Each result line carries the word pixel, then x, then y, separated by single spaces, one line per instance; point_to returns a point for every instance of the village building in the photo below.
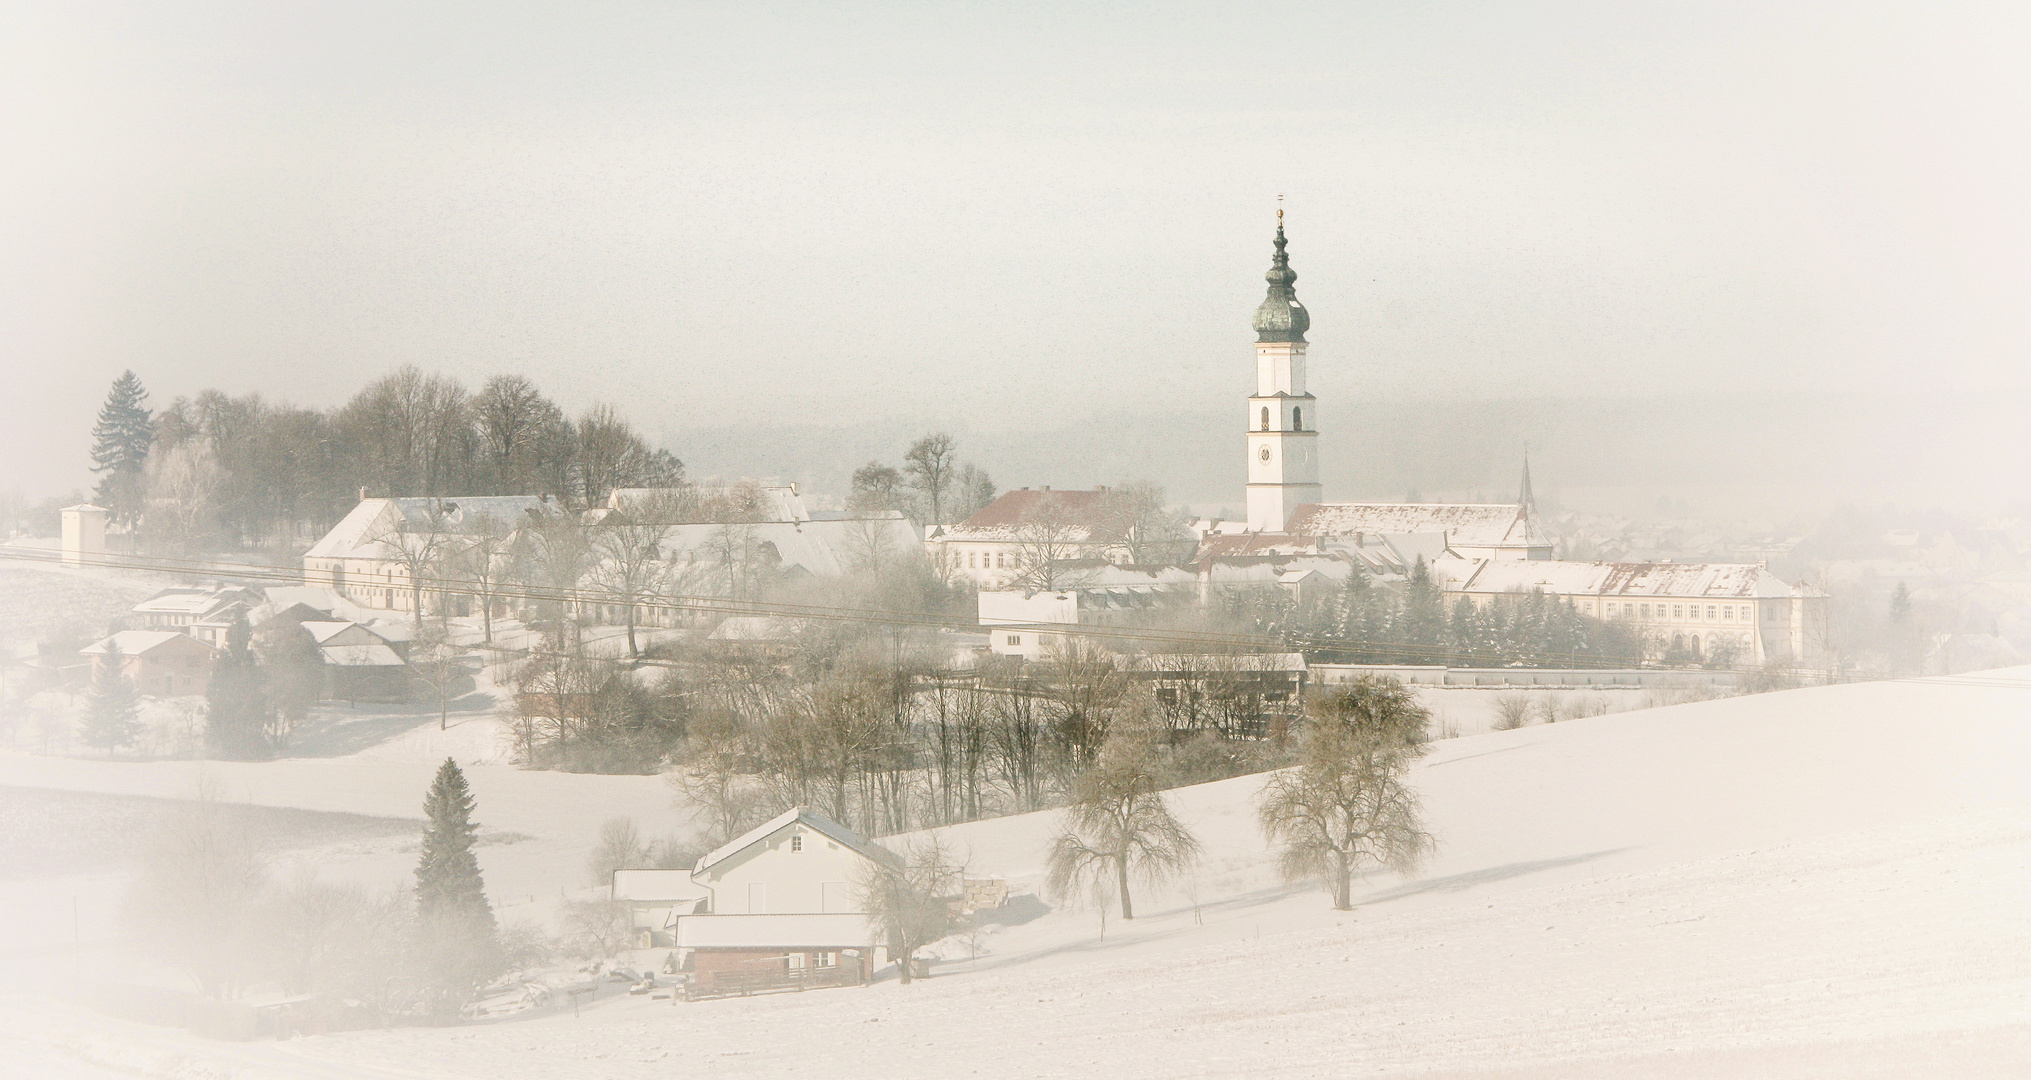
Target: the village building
pixel 84 534
pixel 165 663
pixel 779 908
pixel 654 899
pixel 1031 538
pixel 359 664
pixel 1737 611
pixel 369 557
pixel 1018 621
pixel 205 614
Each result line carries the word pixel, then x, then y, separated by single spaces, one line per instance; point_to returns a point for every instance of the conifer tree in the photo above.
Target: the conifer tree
pixel 237 701
pixel 111 703
pixel 1423 623
pixel 120 442
pixel 458 944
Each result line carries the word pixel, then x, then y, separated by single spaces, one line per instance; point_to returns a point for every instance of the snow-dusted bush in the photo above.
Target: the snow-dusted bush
pixel 1512 710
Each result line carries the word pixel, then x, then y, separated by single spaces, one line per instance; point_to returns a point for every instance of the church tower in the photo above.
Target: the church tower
pixel 1283 435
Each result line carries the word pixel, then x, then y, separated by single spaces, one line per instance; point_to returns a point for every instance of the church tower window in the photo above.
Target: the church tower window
pixel 1297 418
pixel 1265 418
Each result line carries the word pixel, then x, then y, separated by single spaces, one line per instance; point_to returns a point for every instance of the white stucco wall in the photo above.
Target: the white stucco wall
pixel 772 877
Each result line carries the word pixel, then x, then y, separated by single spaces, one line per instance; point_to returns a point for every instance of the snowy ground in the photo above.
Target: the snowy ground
pixel 1824 882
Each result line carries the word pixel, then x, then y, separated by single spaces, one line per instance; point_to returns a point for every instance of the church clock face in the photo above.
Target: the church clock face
pixel 1264 455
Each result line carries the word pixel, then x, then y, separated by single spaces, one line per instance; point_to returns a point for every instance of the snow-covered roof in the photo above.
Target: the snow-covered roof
pixel 1072 517
pixel 835 931
pixel 779 502
pixel 806 816
pixel 1486 525
pixel 374 655
pixel 139 642
pixel 310 596
pixel 363 532
pixel 1702 580
pixel 176 602
pixel 341 633
pixel 825 549
pixel 652 884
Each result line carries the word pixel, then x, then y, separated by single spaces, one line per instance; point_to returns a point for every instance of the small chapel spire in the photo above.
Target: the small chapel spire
pixel 1524 497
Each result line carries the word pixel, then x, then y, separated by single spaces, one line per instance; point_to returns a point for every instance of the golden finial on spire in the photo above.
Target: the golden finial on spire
pixel 1279 211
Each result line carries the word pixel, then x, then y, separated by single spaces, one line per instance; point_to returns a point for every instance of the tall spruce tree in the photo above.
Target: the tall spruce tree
pixel 237 702
pixel 120 442
pixel 111 703
pixel 458 944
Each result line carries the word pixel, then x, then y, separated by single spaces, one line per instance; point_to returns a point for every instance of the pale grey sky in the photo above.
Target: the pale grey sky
pixel 1003 216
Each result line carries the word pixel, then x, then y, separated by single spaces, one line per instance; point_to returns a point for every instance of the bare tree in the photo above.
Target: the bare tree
pixel 551 553
pixel 876 487
pixel 712 777
pixel 929 465
pixel 420 546
pixel 437 664
pixel 183 485
pixel 1045 547
pixel 514 422
pixel 1346 803
pixel 972 490
pixel 908 898
pixel 1118 826
pixel 620 847
pixel 612 455
pixel 484 562
pixel 598 928
pixel 1152 532
pixel 629 569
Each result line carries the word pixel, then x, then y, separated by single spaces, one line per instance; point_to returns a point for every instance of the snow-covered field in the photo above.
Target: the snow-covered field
pixel 1818 883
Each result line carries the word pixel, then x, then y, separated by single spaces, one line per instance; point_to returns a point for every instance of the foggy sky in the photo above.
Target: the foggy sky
pixel 726 216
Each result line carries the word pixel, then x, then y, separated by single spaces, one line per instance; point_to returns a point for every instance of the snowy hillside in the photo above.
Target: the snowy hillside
pixel 1822 882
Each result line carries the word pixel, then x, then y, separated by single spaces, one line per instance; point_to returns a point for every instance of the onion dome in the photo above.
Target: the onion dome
pixel 1281 317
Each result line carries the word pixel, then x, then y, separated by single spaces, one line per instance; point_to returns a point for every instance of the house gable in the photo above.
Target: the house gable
pixel 801 862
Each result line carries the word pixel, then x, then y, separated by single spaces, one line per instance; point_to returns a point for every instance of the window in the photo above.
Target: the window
pixel 1678 611
pixel 1727 611
pixel 828 959
pixel 1265 418
pixel 1015 639
pixel 1297 418
pixel 795 961
pixel 970 557
pixel 1646 611
pixel 796 843
pixel 1710 611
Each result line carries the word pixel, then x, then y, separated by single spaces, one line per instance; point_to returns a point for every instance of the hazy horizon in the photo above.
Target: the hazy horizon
pixel 888 218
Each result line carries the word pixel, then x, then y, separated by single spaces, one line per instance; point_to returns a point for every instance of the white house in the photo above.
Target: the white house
pixel 1015 619
pixel 799 862
pixel 165 663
